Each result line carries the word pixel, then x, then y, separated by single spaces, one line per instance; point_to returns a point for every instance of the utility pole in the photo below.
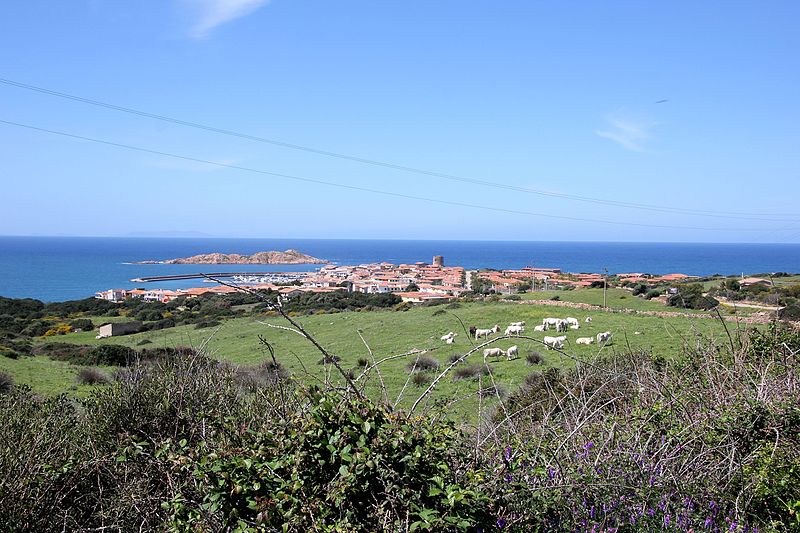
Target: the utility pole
pixel 605 285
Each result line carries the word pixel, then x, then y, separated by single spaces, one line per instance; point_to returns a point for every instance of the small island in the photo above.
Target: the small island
pixel 289 257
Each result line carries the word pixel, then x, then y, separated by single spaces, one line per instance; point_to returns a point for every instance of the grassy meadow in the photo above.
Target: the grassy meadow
pixel 395 332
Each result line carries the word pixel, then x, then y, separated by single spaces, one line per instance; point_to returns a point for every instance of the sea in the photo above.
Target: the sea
pixel 68 268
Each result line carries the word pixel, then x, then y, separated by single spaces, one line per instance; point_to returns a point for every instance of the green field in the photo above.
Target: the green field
pixel 615 299
pixel 394 332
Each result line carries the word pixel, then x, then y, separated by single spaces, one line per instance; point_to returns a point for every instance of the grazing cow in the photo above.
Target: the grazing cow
pixel 584 340
pixel 539 328
pixel 493 352
pixel 514 330
pixel 555 343
pixel 518 323
pixel 448 336
pixel 561 326
pixel 575 326
pixel 472 330
pixel 603 338
pixel 573 322
pixel 588 320
pixel 512 352
pixel 486 332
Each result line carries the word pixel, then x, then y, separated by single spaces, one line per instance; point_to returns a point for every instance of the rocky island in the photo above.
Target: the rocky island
pixel 289 257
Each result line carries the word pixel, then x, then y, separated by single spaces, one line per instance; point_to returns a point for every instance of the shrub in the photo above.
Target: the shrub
pixel 329 359
pixel 421 378
pixel 534 358
pixel 266 374
pixel 514 297
pixel 362 362
pixel 83 324
pixel 438 312
pixel 92 376
pixel 423 363
pixel 493 391
pixel 790 312
pixel 473 371
pixel 453 305
pixel 6 383
pixel 556 298
pixel 206 323
pixel 652 293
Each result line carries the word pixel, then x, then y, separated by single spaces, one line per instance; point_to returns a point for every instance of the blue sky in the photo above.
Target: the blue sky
pixel 547 96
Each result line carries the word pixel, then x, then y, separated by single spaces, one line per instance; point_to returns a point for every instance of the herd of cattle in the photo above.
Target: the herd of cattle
pixel 560 325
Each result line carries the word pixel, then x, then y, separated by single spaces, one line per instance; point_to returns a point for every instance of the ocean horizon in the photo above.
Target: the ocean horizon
pixel 66 268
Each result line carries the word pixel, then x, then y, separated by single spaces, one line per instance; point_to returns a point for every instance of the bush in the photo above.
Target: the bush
pixel 329 359
pixel 534 358
pixel 493 391
pixel 362 362
pixel 652 293
pixel 421 378
pixel 514 297
pixel 423 363
pixel 453 305
pixel 556 298
pixel 206 323
pixel 473 371
pixel 83 324
pixel 6 383
pixel 790 312
pixel 92 376
pixel 438 312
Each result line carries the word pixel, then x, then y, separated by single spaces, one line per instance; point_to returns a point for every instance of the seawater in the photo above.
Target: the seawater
pixel 66 268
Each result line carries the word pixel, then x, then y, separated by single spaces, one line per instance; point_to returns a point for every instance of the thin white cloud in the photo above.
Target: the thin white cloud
pixel 208 14
pixel 628 133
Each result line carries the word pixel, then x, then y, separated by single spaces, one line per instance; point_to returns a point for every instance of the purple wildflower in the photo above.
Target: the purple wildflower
pixel 666 520
pixel 501 523
pixel 508 453
pixel 707 523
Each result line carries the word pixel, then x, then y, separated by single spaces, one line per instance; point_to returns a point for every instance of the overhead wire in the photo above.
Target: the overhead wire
pixel 318 181
pixel 405 168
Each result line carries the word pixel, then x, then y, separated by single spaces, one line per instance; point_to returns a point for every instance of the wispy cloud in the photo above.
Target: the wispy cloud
pixel 208 14
pixel 628 133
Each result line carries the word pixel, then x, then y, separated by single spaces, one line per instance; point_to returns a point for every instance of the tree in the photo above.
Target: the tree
pixel 412 287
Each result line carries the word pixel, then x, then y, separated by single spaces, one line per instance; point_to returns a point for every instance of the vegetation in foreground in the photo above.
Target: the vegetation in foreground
pixel 622 442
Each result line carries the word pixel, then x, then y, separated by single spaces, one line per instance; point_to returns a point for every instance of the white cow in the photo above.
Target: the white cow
pixel 518 323
pixel 486 332
pixel 515 330
pixel 603 338
pixel 555 343
pixel 588 320
pixel 492 352
pixel 561 326
pixel 573 322
pixel 584 340
pixel 512 352
pixel 539 328
pixel 448 336
pixel 575 326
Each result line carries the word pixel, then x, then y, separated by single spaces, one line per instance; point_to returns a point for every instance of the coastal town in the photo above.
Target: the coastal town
pixel 419 282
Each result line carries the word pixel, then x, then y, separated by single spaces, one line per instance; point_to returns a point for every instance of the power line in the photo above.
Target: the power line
pixel 359 188
pixel 404 168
